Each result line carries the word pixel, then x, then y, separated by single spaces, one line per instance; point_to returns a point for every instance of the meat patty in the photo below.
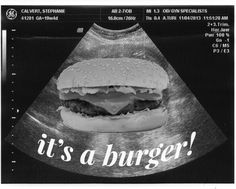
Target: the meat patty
pixel 89 109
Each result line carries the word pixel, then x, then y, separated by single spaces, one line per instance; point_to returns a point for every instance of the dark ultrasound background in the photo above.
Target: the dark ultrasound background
pixel 210 78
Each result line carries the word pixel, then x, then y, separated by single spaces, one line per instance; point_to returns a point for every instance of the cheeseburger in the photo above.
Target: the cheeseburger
pixel 113 95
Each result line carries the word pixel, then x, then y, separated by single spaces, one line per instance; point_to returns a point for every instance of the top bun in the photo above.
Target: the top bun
pixel 101 72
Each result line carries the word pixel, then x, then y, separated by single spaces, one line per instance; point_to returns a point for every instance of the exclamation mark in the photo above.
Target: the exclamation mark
pixel 193 135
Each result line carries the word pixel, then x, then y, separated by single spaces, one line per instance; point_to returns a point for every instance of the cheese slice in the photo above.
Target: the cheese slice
pixel 112 107
pixel 112 102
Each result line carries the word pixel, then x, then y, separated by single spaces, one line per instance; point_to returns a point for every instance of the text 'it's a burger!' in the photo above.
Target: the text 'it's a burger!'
pixel 113 95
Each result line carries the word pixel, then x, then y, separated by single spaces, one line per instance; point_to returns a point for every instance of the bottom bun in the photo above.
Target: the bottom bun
pixel 139 121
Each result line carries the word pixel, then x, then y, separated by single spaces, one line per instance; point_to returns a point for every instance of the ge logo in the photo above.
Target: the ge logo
pixel 11 14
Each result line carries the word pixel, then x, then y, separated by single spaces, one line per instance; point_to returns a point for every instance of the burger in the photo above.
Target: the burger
pixel 113 95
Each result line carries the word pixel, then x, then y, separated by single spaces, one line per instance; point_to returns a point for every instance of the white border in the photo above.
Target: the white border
pixel 117 2
pixel 131 3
